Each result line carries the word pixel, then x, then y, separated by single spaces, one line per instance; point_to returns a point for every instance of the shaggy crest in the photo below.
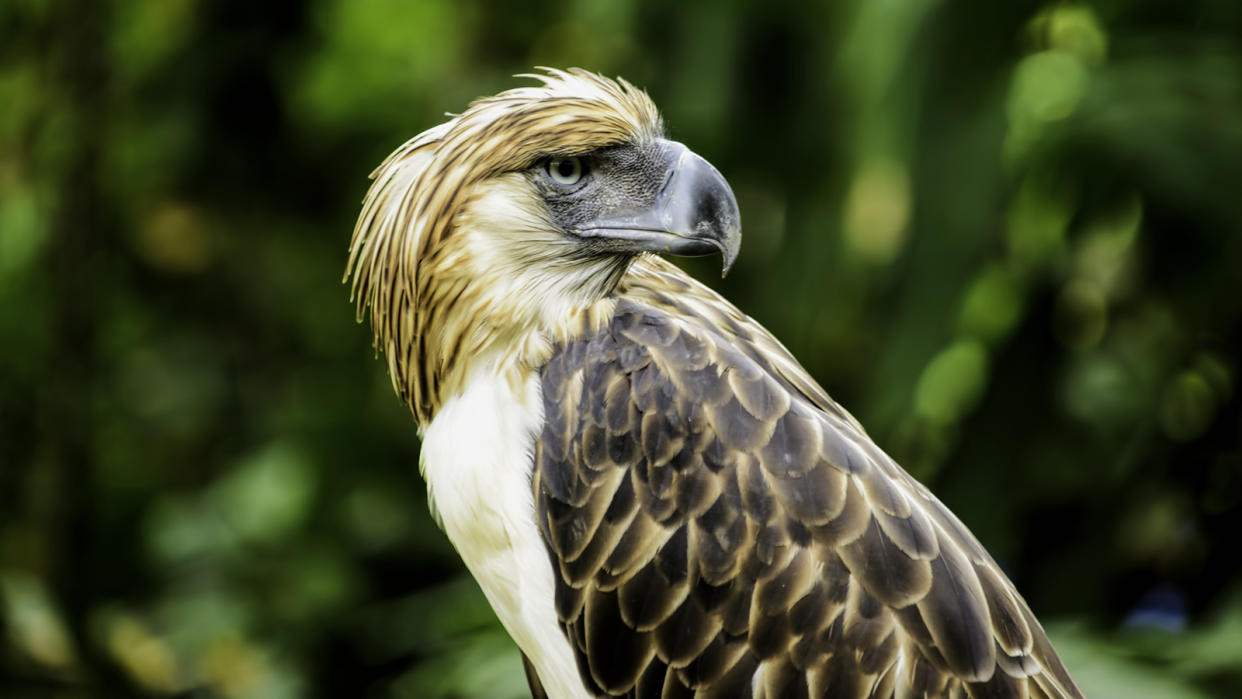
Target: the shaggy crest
pixel 406 228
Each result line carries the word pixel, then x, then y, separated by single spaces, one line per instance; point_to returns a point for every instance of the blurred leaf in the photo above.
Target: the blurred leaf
pixel 1106 670
pixel 35 627
pixel 952 382
pixel 267 497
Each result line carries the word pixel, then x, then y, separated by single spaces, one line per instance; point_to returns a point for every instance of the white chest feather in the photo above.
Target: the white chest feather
pixel 477 459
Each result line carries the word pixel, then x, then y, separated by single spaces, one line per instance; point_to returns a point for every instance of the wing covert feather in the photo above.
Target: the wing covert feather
pixel 717 528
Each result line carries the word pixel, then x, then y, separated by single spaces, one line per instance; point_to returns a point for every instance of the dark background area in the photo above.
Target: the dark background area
pixel 1007 236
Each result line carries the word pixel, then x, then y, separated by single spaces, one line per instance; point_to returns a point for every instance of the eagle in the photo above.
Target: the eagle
pixel 656 499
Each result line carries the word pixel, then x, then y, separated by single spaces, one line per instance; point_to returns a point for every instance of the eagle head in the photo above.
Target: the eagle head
pixel 518 214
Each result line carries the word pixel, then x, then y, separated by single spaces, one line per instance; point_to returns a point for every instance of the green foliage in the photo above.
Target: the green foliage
pixel 1005 235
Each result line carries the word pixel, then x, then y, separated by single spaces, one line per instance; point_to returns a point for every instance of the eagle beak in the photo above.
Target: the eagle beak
pixel 694 214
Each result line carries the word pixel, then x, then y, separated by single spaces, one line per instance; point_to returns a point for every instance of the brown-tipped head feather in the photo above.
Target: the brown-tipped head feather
pixel 405 232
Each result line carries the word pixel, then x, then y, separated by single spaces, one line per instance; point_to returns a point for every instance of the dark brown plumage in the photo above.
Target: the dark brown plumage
pixel 705 516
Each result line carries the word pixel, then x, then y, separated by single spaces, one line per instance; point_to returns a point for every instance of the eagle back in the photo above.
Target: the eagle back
pixel 718 527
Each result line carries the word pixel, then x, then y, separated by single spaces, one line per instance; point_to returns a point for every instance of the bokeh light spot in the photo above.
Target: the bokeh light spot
pixel 21 235
pixel 32 622
pixel 952 382
pixel 1072 28
pixel 992 304
pixel 1037 221
pixel 145 656
pixel 877 210
pixel 268 496
pixel 1081 316
pixel 1187 406
pixel 174 238
pixel 1047 86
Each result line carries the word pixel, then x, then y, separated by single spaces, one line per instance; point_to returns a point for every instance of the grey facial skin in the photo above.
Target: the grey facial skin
pixel 655 197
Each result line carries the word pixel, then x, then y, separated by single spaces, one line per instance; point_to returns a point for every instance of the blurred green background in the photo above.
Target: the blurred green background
pixel 1006 235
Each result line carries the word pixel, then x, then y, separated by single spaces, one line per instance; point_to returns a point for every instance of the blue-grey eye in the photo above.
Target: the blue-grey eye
pixel 566 171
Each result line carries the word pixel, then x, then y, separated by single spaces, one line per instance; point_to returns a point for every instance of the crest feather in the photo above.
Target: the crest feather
pixel 409 211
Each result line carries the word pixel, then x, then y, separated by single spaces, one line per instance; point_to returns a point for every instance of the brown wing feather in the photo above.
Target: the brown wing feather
pixel 719 527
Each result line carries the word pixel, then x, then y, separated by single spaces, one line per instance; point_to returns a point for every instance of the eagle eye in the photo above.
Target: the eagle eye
pixel 566 172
